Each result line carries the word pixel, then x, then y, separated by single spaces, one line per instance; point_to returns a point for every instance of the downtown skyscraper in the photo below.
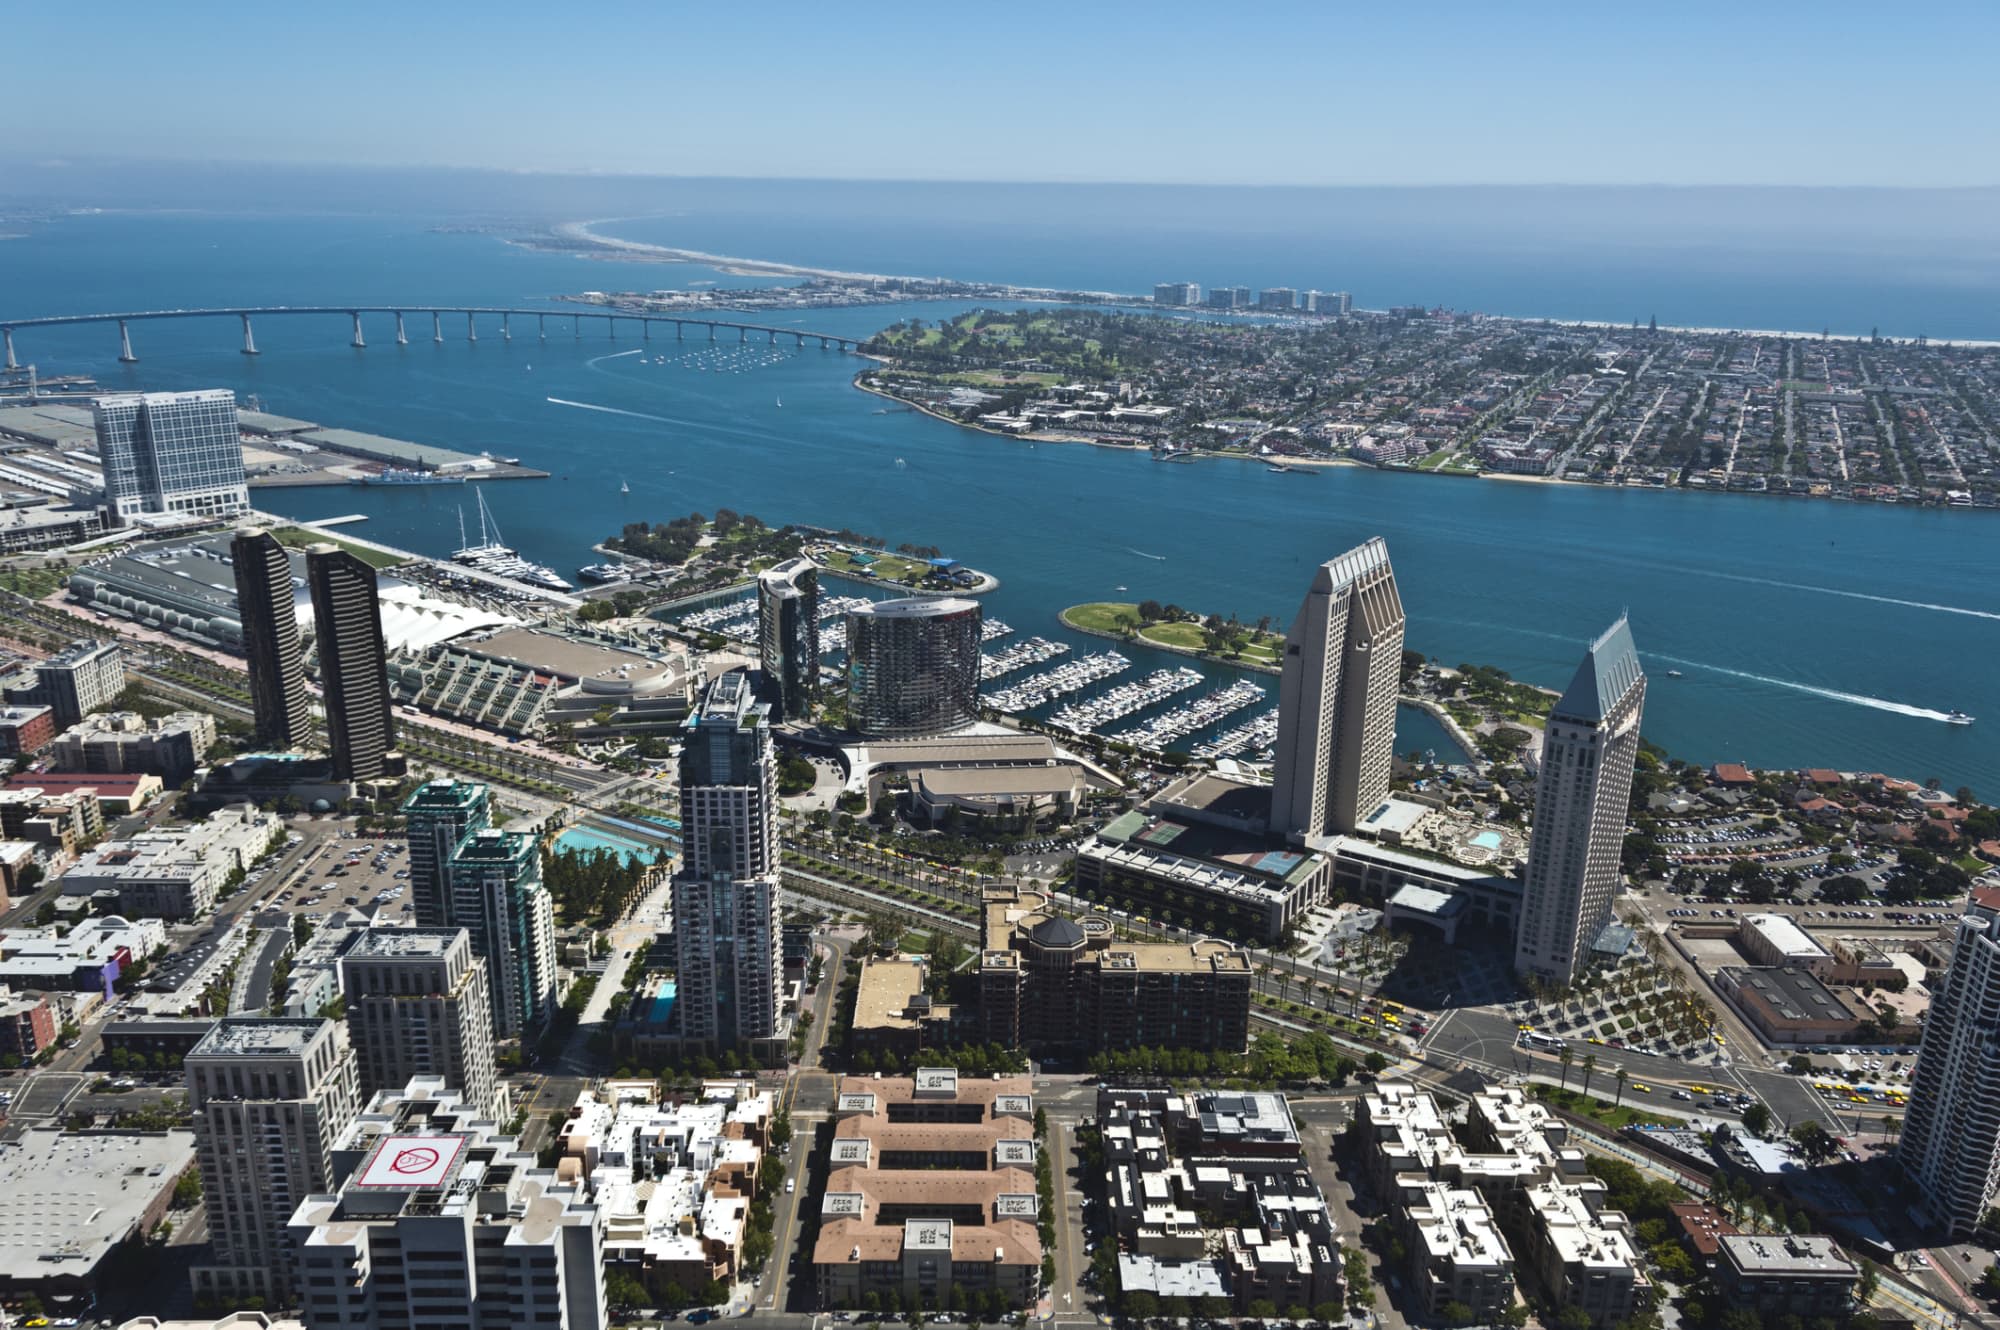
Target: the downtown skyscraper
pixel 1581 799
pixel 269 1097
pixel 171 453
pixel 788 635
pixel 268 610
pixel 1337 696
pixel 353 662
pixel 1951 1138
pixel 726 933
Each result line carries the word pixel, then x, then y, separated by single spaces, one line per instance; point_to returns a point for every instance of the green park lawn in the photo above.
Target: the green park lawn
pixel 1115 616
pixel 1103 616
pixel 298 538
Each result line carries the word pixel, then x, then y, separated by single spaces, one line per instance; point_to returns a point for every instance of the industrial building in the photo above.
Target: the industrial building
pixel 68 1199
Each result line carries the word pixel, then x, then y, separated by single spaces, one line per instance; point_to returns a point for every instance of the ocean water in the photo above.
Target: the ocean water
pixel 1806 633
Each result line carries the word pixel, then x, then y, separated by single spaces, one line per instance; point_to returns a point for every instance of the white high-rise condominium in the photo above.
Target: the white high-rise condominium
pixel 1337 697
pixel 438 1220
pixel 726 932
pixel 1581 797
pixel 1951 1139
pixel 171 453
pixel 269 1096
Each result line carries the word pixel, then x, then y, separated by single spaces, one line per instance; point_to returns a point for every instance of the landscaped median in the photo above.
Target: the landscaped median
pixel 1172 628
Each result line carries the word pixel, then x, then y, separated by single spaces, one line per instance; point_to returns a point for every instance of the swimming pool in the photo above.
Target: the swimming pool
pixel 1489 840
pixel 596 838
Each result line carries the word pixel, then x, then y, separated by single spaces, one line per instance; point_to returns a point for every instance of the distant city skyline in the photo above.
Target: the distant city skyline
pixel 1279 95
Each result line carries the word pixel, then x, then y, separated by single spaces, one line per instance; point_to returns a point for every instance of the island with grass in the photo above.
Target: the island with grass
pixel 1171 628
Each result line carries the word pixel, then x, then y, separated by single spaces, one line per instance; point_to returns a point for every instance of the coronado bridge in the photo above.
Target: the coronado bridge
pixel 497 320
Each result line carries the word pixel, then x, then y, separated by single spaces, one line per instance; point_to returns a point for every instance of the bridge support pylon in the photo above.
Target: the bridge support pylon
pixel 359 340
pixel 125 356
pixel 471 332
pixel 711 332
pixel 506 327
pixel 249 342
pixel 8 333
pixel 680 331
pixel 437 326
pixel 645 330
pixel 402 338
pixel 801 337
pixel 611 327
pixel 742 334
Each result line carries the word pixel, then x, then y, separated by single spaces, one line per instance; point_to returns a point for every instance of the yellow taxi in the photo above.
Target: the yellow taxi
pixel 1642 1087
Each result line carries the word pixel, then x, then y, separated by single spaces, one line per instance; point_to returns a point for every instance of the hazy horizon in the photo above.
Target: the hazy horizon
pixel 1288 93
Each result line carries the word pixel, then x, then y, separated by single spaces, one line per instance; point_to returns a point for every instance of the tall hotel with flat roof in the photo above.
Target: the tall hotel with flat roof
pixel 1581 798
pixel 1951 1138
pixel 171 453
pixel 1337 698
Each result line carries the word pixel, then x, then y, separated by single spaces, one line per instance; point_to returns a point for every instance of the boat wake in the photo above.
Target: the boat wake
pixel 615 355
pixel 612 410
pixel 1832 694
pixel 1859 595
pixel 1156 558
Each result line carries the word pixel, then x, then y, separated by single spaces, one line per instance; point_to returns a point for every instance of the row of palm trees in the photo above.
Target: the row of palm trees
pixel 1589 1069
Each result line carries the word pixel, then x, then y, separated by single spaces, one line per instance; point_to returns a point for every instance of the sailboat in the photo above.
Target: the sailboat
pixel 489 546
pixel 623 488
pixel 781 403
pixel 490 555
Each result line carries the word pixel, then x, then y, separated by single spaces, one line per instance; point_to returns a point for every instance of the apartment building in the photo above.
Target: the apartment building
pixel 930 1189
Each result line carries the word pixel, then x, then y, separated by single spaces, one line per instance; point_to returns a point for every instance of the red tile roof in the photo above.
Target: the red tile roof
pixel 1732 773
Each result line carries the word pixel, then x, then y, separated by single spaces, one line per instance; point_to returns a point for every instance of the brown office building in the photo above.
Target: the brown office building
pixel 1062 985
pixel 930 1190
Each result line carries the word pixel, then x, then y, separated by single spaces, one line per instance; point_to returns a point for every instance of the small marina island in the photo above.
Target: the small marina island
pixel 1172 628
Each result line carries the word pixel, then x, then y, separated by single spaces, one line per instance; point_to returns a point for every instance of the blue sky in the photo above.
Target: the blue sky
pixel 1272 93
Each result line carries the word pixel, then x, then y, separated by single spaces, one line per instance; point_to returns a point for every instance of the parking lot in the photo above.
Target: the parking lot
pixel 366 872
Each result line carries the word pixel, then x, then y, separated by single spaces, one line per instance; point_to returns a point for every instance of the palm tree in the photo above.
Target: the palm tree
pixel 1567 1056
pixel 1621 1088
pixel 1589 1066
